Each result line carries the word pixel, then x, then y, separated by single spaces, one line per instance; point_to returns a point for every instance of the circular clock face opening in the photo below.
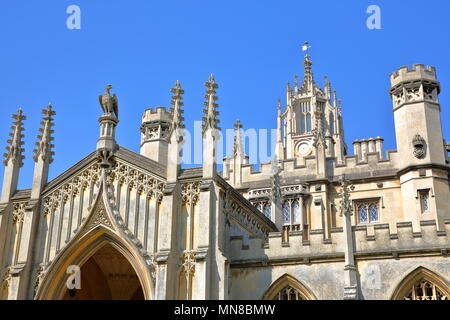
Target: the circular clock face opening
pixel 304 149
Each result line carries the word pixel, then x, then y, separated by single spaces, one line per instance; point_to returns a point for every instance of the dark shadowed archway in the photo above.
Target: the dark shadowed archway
pixel 107 275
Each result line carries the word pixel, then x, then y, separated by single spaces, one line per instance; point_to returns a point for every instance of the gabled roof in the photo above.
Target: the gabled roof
pixel 123 154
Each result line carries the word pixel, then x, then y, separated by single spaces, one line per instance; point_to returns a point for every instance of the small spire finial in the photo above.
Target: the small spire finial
pixel 14 148
pixel 45 145
pixel 210 120
pixel 238 124
pixel 238 148
pixel 177 112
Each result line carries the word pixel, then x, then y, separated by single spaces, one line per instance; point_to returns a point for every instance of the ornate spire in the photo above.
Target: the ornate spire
pixel 176 111
pixel 44 145
pixel 279 144
pixel 210 120
pixel 238 148
pixel 318 132
pixel 14 148
pixel 308 77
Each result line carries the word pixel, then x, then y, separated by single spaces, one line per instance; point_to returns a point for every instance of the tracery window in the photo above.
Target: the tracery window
pixel 288 293
pixel 264 207
pixel 292 211
pixel 308 123
pixel 267 211
pixel 286 212
pixel 425 290
pixel 424 196
pixel 368 211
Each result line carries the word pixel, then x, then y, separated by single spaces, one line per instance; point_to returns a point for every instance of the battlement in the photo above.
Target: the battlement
pixel 156 114
pixel 364 146
pixel 369 240
pixel 418 71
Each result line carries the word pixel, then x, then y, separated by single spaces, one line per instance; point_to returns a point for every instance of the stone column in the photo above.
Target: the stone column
pixel 350 273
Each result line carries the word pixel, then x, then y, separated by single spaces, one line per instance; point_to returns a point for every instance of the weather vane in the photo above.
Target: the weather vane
pixel 306 46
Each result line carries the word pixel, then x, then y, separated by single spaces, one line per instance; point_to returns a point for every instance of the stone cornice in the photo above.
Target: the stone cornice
pixel 424 166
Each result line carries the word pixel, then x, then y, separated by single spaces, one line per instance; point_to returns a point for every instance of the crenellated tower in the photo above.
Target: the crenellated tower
pixel 422 161
pixel 154 133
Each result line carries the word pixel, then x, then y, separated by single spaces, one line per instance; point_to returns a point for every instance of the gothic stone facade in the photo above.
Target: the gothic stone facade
pixel 315 223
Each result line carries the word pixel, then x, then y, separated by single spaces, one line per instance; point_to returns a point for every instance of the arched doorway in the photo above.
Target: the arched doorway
pixel 107 275
pixel 110 268
pixel 422 284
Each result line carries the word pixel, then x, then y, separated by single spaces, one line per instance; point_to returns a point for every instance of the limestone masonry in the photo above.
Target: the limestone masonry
pixel 315 223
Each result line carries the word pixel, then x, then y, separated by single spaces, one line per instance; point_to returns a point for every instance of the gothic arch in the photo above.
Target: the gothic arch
pixel 406 285
pixel 53 285
pixel 288 280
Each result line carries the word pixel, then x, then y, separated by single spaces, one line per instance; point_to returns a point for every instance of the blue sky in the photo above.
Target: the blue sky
pixel 252 47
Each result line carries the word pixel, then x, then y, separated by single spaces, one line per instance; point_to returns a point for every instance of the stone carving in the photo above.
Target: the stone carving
pixel 44 145
pixel 39 276
pixel 132 177
pixel 19 212
pixel 420 148
pixel 109 104
pixel 188 263
pixel 318 132
pixel 7 277
pixel 100 217
pixel 73 186
pixel 190 193
pixel 345 202
pixel 14 149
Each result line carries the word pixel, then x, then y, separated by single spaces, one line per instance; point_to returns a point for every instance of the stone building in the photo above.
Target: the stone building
pixel 315 223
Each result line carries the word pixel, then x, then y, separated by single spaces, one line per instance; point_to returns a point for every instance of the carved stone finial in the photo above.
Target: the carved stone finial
pixel 14 148
pixel 109 104
pixel 318 132
pixel 210 120
pixel 177 112
pixel 346 204
pixel 275 179
pixel 238 148
pixel 45 145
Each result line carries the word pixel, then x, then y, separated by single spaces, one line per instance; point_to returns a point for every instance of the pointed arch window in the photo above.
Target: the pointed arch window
pixel 302 125
pixel 288 293
pixel 368 211
pixel 286 212
pixel 296 212
pixel 422 284
pixel 288 287
pixel 267 211
pixel 308 122
pixel 425 290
